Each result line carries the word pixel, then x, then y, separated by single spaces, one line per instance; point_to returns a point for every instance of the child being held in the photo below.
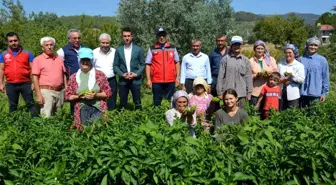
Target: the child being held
pixel 271 91
pixel 202 100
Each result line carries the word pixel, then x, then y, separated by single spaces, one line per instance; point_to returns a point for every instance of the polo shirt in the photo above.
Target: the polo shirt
pixel 104 62
pixel 195 66
pixel 50 70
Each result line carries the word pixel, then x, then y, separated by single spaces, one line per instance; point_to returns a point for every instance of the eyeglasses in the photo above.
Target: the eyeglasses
pixel 76 38
pixel 10 41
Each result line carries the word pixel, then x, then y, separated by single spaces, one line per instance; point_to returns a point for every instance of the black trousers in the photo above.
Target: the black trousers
pixel 13 91
pixel 285 103
pixel 135 90
pixel 112 101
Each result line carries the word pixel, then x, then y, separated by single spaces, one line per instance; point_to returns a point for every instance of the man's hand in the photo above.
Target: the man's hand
pixel 209 89
pixel 322 99
pixel 184 87
pixel 149 84
pixel 32 87
pixel 2 87
pixel 40 99
pixel 177 82
pixel 132 75
pixel 125 75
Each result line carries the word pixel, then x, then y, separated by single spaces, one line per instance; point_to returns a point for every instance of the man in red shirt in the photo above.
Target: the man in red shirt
pixel 49 78
pixel 15 65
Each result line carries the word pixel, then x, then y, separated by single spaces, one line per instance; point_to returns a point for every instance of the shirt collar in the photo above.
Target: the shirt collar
pixel 238 56
pixel 130 47
pixel 217 51
pixel 47 56
pixel 310 56
pixel 200 54
pixel 105 53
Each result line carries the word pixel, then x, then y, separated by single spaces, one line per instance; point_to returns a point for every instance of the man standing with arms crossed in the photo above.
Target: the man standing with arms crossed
pixel 103 61
pixel 15 65
pixel 162 68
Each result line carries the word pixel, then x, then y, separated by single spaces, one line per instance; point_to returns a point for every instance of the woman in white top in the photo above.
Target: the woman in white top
pixel 292 76
pixel 179 104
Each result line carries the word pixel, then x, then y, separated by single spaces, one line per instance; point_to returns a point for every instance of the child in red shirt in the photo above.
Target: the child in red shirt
pixel 271 91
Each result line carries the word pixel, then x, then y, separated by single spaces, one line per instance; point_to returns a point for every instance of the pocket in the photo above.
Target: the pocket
pixel 242 70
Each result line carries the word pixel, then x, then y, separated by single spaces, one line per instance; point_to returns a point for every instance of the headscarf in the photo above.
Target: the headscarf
pixel 312 40
pixel 294 48
pixel 87 53
pixel 267 54
pixel 177 95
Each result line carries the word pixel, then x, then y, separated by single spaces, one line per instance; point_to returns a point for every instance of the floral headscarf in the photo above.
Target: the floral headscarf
pixel 294 48
pixel 267 54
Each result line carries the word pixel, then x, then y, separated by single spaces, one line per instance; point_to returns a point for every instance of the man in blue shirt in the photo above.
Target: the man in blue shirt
pixel 195 64
pixel 215 57
pixel 316 85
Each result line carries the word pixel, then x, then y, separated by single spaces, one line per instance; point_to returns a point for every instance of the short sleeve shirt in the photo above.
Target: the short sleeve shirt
pixel 272 95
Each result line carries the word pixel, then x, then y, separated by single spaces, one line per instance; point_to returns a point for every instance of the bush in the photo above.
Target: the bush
pixel 293 147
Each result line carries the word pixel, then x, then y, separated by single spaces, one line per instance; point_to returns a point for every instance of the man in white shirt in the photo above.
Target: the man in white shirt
pixel 195 64
pixel 129 64
pixel 103 61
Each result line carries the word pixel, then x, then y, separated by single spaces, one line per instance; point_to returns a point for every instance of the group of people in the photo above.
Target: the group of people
pixel 87 78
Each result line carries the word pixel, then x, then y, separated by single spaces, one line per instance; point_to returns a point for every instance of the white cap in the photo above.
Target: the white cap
pixel 237 39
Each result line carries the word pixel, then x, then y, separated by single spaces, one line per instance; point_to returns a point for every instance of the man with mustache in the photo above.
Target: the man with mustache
pixel 103 58
pixel 162 68
pixel 49 78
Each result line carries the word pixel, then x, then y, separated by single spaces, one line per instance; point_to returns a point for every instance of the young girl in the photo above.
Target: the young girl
pixel 202 100
pixel 271 92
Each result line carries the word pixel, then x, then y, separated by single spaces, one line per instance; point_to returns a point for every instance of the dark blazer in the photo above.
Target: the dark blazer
pixel 137 64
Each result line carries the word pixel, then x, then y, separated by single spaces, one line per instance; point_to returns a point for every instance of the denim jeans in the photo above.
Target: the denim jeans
pixel 161 90
pixel 111 102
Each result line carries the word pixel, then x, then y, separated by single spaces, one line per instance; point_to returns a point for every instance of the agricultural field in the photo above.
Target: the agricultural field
pixel 133 147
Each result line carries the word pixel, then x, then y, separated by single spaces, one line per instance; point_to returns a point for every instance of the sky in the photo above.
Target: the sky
pixel 109 7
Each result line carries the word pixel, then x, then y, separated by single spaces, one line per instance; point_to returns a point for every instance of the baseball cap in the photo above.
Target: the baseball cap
pixel 237 39
pixel 161 30
pixel 85 53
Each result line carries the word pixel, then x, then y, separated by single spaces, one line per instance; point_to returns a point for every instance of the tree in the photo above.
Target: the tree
pixel 184 20
pixel 279 30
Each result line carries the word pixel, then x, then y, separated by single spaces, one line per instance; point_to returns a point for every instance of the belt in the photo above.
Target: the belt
pixel 51 87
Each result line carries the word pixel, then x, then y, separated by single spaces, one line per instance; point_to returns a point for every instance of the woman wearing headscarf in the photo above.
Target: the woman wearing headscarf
pixel 316 85
pixel 262 64
pixel 89 89
pixel 292 76
pixel 179 104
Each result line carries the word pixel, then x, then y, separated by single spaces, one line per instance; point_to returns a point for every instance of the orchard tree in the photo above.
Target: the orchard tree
pixel 184 20
pixel 279 30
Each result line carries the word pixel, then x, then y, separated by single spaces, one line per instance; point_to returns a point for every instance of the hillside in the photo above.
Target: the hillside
pixel 248 16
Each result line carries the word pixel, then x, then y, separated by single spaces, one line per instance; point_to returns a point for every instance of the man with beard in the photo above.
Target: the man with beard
pixel 195 64
pixel 49 78
pixel 129 64
pixel 15 65
pixel 103 61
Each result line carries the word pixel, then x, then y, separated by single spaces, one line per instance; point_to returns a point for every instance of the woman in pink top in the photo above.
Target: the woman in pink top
pixel 262 64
